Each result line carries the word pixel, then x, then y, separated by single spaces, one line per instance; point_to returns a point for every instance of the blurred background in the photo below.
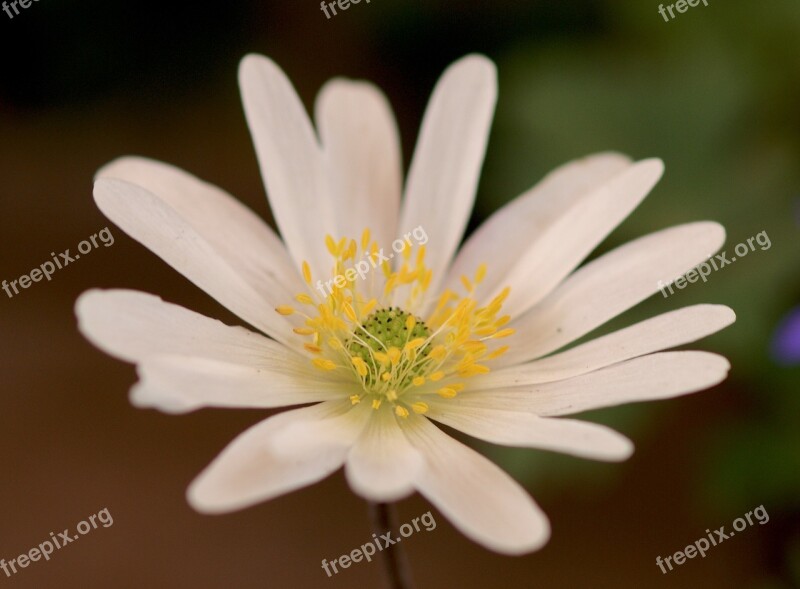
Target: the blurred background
pixel 714 92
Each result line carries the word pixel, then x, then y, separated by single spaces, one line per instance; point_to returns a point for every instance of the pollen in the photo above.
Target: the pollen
pixel 366 324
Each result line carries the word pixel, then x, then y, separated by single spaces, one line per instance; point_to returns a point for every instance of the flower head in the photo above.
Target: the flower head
pixel 380 340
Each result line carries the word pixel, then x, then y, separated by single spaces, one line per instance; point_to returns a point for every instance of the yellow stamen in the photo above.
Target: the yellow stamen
pixel 420 407
pixel 324 364
pixel 447 392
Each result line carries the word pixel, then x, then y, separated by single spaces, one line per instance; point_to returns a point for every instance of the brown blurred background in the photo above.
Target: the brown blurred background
pixel 714 93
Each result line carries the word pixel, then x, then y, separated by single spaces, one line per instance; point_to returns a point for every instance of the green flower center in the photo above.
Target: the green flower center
pixel 385 330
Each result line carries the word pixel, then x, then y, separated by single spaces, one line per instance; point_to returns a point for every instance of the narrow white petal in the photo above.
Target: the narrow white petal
pixel 481 500
pixel 291 161
pixel 572 236
pixel 513 428
pixel 608 286
pixel 239 235
pixel 657 376
pixel 179 384
pixel 675 328
pixel 499 240
pixel 248 471
pixel 362 152
pixel 382 465
pixel 152 222
pixel 444 172
pixel 133 325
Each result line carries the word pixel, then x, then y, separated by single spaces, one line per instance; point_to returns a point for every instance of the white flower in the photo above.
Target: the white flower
pixel 464 339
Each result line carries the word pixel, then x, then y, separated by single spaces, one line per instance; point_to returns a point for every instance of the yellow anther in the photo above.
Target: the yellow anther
pixel 473 347
pixel 414 343
pixel 355 399
pixel 437 376
pixel 385 377
pixel 418 381
pixel 312 348
pixel 324 364
pixel 304 299
pixel 351 251
pixel 503 333
pixel 376 403
pixel 304 331
pixel 473 370
pixel 365 239
pixel 392 395
pixel 480 274
pixel 371 304
pixel 466 283
pixel 438 352
pixel 306 272
pixel 394 354
pixel 447 392
pixel 420 407
pixel 285 310
pixel 331 245
pixel 351 314
pixel 381 357
pixel 401 412
pixel 411 321
pixel 361 366
pixel 497 353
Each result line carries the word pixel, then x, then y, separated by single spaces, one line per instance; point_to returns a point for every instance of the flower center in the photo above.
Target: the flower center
pixel 394 355
pixel 394 335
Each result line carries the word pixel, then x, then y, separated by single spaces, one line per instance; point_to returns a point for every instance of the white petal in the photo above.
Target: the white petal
pixel 362 153
pixel 133 325
pixel 511 228
pixel 662 332
pixel 240 236
pixel 572 236
pixel 444 171
pixel 248 471
pixel 482 501
pixel 511 428
pixel 342 429
pixel 152 222
pixel 290 160
pixel 179 384
pixel 608 286
pixel 382 465
pixel 647 378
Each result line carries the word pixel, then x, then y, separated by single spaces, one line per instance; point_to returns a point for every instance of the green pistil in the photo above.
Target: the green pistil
pixel 388 328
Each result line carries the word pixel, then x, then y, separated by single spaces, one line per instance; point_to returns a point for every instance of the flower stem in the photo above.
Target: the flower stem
pixel 384 519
